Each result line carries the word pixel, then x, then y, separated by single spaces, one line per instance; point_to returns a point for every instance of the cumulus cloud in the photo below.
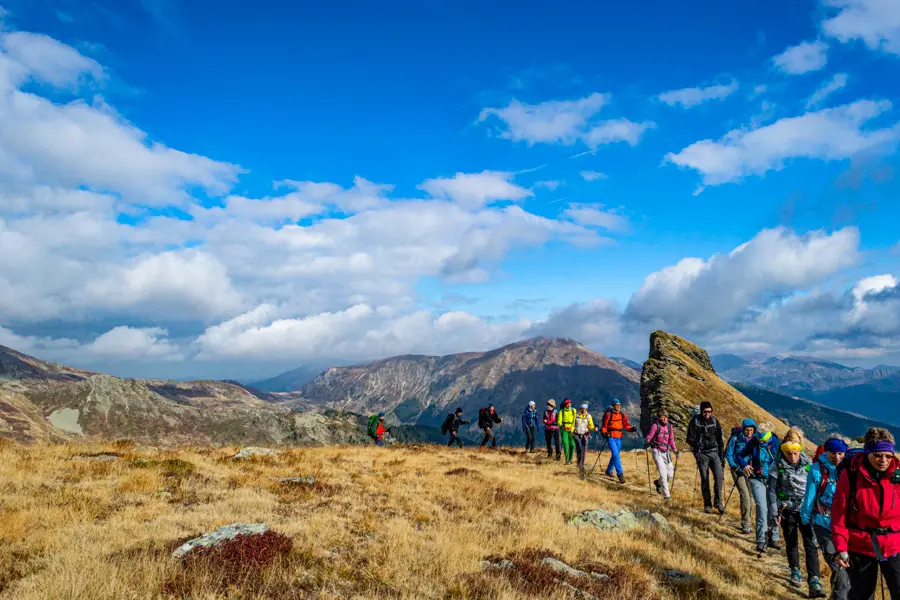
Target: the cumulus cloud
pixel 48 60
pixel 698 296
pixel 564 122
pixel 473 190
pixel 829 134
pixel 129 343
pixel 694 96
pixel 836 83
pixel 874 22
pixel 802 58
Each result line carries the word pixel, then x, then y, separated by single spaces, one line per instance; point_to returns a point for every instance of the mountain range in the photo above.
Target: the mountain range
pixel 874 392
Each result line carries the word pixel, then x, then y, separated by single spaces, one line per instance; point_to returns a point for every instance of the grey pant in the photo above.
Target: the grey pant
pixel 530 433
pixel 706 461
pixel 840 581
pixel 746 497
pixel 765 511
pixel 581 445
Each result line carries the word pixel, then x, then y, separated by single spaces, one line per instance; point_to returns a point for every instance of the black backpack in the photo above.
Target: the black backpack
pixel 447 423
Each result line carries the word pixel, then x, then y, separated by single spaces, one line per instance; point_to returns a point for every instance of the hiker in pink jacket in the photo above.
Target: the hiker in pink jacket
pixel 661 441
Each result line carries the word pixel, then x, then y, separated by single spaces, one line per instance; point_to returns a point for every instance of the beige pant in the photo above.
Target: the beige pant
pixel 665 467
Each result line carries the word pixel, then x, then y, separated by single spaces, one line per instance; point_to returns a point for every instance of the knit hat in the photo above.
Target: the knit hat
pixel 584 405
pixel 705 404
pixel 381 415
pixel 459 411
pixel 551 402
pixel 616 401
pixel 531 403
pixel 567 401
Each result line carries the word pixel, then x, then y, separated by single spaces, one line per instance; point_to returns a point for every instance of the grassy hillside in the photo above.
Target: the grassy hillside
pixel 403 522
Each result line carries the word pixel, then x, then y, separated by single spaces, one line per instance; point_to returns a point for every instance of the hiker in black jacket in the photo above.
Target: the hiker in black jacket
pixel 487 417
pixel 704 436
pixel 451 426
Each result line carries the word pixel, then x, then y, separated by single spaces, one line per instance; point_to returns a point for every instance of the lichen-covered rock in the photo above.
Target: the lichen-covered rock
pixel 562 567
pixel 621 519
pixel 297 480
pixel 251 451
pixel 214 538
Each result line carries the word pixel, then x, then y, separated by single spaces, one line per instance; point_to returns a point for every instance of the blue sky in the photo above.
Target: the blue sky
pixel 228 191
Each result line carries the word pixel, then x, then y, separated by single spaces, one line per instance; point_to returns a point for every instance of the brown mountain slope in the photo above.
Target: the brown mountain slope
pixel 678 375
pixel 423 389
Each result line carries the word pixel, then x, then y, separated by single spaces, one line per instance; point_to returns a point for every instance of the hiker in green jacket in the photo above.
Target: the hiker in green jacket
pixel 566 422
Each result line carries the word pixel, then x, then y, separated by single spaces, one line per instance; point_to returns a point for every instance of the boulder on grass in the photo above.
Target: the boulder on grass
pixel 251 451
pixel 222 534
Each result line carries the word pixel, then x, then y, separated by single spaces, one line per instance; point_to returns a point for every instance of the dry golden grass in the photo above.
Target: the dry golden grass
pixel 388 523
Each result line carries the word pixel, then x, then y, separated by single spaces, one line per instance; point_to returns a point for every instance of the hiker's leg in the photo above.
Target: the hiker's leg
pixel 719 475
pixel 791 529
pixel 615 461
pixel 773 515
pixel 812 552
pixel 580 448
pixel 557 442
pixel 661 459
pixel 890 570
pixel 840 582
pixel 548 435
pixel 490 432
pixel 459 443
pixel 452 439
pixel 863 576
pixel 529 438
pixel 746 500
pixel 484 440
pixel 703 463
pixel 566 441
pixel 758 489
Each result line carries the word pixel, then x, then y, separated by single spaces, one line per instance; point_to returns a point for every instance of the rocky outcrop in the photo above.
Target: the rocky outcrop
pixel 678 376
pixel 621 519
pixel 219 536
pixel 422 390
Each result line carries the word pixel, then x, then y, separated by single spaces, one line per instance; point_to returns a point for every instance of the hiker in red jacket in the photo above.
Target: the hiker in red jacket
pixel 551 428
pixel 865 517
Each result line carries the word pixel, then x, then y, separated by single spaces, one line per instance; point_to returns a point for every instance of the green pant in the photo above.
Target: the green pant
pixel 568 444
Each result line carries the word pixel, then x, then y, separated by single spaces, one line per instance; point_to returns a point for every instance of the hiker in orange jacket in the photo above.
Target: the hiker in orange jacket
pixel 614 423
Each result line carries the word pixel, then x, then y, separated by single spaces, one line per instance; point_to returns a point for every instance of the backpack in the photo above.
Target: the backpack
pixel 447 423
pixel 373 426
pixel 851 476
pixel 484 417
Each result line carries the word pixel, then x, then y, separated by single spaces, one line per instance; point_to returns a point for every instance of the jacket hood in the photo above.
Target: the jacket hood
pixel 748 423
pixel 824 460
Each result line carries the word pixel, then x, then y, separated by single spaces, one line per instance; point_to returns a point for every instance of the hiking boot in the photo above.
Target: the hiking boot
pixel 558 457
pixel 815 589
pixel 707 510
pixel 667 499
pixel 746 529
pixel 761 548
pixel 621 478
pixel 796 578
pixel 609 474
pixel 720 508
pixel 658 485
pixel 775 544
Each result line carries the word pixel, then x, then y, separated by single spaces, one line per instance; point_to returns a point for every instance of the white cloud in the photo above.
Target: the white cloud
pixel 549 185
pixel 690 97
pixel 474 190
pixel 592 175
pixel 48 60
pixel 875 22
pixel 593 216
pixel 830 134
pixel 564 122
pixel 836 83
pixel 699 296
pixel 802 58
pixel 128 343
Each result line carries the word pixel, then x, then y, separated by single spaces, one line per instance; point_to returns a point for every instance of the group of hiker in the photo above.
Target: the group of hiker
pixel 844 501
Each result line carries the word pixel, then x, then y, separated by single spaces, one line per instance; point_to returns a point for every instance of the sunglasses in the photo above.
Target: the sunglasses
pixel 882 455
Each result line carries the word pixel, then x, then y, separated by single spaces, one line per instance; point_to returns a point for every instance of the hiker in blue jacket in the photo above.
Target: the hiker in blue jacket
pixel 754 461
pixel 736 443
pixel 816 508
pixel 529 426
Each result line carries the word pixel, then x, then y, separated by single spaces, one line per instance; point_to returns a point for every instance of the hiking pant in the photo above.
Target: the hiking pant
pixel 707 460
pixel 840 581
pixel 552 435
pixel 454 439
pixel 615 461
pixel 746 497
pixel 791 526
pixel 666 468
pixel 530 432
pixel 379 442
pixel 489 435
pixel 568 444
pixel 581 447
pixel 864 576
pixel 765 511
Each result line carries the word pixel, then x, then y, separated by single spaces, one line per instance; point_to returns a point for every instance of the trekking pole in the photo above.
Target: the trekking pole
pixel 674 473
pixel 603 447
pixel 724 508
pixel 694 492
pixel 649 485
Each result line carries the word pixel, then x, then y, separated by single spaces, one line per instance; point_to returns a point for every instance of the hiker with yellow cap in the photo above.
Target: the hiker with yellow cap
pixel 788 481
pixel 755 461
